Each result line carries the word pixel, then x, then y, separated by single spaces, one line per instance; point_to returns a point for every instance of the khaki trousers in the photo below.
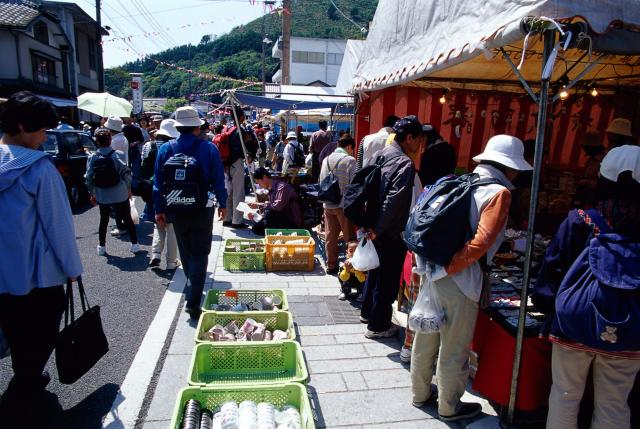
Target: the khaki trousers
pixel 162 236
pixel 335 221
pixel 613 379
pixel 235 191
pixel 451 346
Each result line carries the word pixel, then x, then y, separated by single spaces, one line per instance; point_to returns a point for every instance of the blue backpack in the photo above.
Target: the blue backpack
pixel 185 187
pixel 598 302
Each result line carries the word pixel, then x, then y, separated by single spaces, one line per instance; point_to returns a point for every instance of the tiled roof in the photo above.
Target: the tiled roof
pixel 16 15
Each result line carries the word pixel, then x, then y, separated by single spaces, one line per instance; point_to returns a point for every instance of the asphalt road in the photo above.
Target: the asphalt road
pixel 129 295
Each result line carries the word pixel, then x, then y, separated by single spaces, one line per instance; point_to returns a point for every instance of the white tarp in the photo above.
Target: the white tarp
pixel 328 94
pixel 352 54
pixel 409 39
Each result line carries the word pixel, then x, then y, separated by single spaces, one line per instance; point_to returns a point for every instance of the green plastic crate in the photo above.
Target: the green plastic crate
pixel 281 320
pixel 243 261
pixel 279 395
pixel 247 363
pixel 299 232
pixel 245 296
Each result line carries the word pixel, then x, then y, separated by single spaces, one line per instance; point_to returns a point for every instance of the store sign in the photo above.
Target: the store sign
pixel 136 90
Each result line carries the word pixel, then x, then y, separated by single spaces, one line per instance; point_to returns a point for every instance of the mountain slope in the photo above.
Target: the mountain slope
pixel 237 53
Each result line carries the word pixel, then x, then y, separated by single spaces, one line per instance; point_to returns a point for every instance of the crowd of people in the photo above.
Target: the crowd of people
pixel 183 168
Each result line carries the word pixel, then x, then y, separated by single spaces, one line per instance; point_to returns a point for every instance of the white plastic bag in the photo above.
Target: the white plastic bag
pixel 134 211
pixel 365 258
pixel 427 315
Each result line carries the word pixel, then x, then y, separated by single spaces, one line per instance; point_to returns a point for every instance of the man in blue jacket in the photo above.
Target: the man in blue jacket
pixel 193 227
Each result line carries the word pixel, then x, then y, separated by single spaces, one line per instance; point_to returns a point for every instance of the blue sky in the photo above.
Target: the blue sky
pixel 126 19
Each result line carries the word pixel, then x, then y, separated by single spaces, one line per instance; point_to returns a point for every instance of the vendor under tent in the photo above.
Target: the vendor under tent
pixel 527 68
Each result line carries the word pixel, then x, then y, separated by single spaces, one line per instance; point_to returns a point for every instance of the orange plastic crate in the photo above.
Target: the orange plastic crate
pixel 287 256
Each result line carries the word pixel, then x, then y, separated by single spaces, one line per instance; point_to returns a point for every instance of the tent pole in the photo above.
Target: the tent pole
pixel 549 40
pixel 521 78
pixel 233 102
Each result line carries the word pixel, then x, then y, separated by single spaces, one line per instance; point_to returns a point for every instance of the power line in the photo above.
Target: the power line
pixel 361 28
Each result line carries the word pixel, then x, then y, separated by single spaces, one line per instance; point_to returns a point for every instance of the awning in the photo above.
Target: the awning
pixel 352 55
pixel 59 102
pixel 282 103
pixel 458 41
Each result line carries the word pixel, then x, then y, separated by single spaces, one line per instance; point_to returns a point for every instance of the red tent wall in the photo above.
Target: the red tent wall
pixel 468 119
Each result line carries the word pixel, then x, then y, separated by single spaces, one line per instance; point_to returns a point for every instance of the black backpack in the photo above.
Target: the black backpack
pixel 298 156
pixel 147 169
pixel 329 191
pixel 105 174
pixel 185 187
pixel 438 226
pixel 361 201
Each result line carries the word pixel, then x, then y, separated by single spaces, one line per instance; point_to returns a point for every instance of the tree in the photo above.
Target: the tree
pixel 173 104
pixel 205 39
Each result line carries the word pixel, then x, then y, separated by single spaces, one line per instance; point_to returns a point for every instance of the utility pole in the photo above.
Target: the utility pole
pixel 264 36
pixel 286 42
pixel 190 92
pixel 99 48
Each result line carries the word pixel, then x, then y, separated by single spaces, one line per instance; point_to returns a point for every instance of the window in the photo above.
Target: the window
pixel 41 32
pixel 305 57
pixel 334 59
pixel 91 46
pixel 72 144
pixel 50 145
pixel 44 69
pixel 77 47
pixel 87 143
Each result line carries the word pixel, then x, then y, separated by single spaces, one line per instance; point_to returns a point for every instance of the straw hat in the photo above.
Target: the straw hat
pixel 113 123
pixel 621 159
pixel 620 126
pixel 187 116
pixel 168 128
pixel 505 150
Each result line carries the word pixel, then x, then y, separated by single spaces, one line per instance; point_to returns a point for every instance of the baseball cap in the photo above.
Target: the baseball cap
pixel 408 125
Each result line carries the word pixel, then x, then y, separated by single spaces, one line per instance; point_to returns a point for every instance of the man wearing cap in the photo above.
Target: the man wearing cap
pixel 459 285
pixel 291 152
pixel 118 140
pixel 619 133
pixel 396 190
pixel 194 228
pixel 156 120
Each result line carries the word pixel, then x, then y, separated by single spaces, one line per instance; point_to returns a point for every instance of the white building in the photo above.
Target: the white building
pixel 312 61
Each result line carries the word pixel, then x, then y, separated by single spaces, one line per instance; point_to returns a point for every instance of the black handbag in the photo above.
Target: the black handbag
pixel 329 191
pixel 82 342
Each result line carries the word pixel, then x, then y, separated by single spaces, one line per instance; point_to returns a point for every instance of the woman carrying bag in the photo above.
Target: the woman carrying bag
pixel 589 289
pixel 108 180
pixel 38 251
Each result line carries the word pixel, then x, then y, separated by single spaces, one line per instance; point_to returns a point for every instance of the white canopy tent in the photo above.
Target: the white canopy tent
pixel 466 44
pixel 350 61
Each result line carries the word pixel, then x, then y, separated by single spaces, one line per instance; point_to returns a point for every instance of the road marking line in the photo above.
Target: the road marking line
pixel 127 404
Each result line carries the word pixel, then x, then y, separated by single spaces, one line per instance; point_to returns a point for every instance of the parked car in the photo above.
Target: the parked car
pixel 70 150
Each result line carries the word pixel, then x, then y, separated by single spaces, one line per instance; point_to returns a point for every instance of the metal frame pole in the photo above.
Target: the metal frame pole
pixel 549 40
pixel 233 102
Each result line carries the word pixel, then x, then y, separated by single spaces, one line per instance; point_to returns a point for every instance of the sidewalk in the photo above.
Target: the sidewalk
pixel 354 382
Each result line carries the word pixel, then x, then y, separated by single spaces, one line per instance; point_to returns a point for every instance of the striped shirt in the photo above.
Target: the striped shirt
pixel 343 166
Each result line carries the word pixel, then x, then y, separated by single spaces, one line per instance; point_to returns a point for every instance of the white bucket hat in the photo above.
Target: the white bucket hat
pixel 113 123
pixel 168 128
pixel 291 135
pixel 621 159
pixel 187 116
pixel 620 126
pixel 505 150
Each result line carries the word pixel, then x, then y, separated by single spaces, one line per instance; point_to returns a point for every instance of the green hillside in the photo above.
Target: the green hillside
pixel 237 53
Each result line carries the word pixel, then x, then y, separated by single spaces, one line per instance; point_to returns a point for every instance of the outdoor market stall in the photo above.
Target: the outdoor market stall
pixel 549 69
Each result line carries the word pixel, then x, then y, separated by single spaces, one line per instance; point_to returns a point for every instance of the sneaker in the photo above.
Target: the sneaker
pixel 173 265
pixel 155 262
pixel 433 398
pixel 332 271
pixel 468 410
pixel 101 250
pixel 194 312
pixel 135 248
pixel 342 297
pixel 405 354
pixel 391 332
pixel 118 232
pixel 364 320
pixel 239 226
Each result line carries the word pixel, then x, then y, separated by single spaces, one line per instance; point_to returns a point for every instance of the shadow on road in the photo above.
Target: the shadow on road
pixel 138 262
pixel 89 413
